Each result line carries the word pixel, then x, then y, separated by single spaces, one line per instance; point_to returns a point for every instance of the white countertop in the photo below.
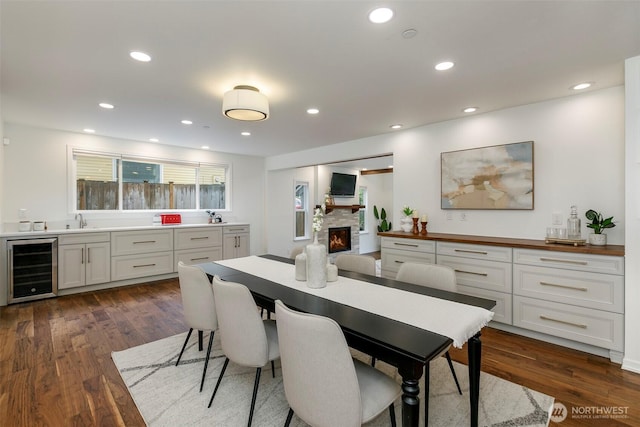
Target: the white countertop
pixel 56 232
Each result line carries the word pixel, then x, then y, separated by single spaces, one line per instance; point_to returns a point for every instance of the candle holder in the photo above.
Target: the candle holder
pixel 415 226
pixel 424 228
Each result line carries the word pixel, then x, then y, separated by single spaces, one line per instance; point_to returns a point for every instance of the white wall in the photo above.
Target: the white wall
pixel 578 156
pixel 631 359
pixel 35 178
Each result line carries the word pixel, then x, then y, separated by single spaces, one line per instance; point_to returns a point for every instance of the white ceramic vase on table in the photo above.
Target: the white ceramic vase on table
pixel 406 224
pixel 316 264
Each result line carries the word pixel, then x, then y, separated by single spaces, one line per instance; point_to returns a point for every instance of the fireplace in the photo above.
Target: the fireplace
pixel 339 239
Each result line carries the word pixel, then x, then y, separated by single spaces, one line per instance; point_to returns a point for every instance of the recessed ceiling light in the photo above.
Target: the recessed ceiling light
pixel 470 110
pixel 106 105
pixel 87 130
pixel 581 86
pixel 140 56
pixel 364 169
pixel 186 122
pixel 154 140
pixel 205 147
pixel 245 133
pixel 409 34
pixel 396 126
pixel 443 66
pixel 390 166
pixel 313 111
pixel 380 15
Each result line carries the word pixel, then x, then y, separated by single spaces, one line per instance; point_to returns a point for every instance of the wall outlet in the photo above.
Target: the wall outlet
pixel 463 216
pixel 556 218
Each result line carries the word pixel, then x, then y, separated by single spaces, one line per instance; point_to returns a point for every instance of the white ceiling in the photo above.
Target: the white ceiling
pixel 59 59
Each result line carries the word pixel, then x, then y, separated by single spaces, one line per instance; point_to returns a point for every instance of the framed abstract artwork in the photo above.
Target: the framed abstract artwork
pixel 495 177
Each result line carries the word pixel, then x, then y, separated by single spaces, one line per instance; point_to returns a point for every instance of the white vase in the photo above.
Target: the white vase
pixel 301 266
pixel 406 224
pixel 597 239
pixel 316 264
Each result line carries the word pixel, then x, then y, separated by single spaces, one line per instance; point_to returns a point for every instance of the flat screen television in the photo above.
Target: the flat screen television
pixel 343 185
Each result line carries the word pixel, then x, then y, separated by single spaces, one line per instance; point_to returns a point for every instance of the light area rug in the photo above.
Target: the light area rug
pixel 168 395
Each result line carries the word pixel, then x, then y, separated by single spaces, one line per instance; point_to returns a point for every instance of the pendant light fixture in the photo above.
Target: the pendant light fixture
pixel 245 103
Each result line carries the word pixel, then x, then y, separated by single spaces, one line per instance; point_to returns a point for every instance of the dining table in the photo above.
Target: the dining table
pixel 365 307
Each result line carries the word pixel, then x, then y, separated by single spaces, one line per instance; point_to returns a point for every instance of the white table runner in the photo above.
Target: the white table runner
pixel 451 319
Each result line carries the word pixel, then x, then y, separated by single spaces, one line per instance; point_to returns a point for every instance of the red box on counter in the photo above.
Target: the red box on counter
pixel 171 218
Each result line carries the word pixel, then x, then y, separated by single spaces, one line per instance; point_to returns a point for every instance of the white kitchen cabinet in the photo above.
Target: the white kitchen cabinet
pixel 197 245
pixel 141 253
pixel 574 296
pixel 395 252
pixel 482 271
pixel 83 259
pixel 236 241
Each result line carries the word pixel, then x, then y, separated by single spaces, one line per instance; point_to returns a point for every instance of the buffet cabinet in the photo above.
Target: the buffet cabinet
pixel 571 296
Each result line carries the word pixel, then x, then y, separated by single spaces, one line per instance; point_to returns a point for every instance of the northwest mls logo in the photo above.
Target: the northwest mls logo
pixel 558 412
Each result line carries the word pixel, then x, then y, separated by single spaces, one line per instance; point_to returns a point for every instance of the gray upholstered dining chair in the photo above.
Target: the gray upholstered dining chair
pixel 433 276
pixel 324 386
pixel 198 307
pixel 246 339
pixel 364 264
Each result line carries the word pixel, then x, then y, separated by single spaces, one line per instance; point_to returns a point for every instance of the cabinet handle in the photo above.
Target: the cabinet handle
pixel 557 285
pixel 236 229
pixel 398 262
pixel 82 257
pixel 579 325
pixel 237 241
pixel 144 265
pixel 471 272
pixel 144 241
pixel 405 244
pixel 469 251
pixel 88 255
pixel 567 261
pixel 200 238
pixel 198 259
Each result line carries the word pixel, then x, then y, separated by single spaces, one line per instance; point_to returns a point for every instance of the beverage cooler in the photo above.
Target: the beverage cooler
pixel 33 269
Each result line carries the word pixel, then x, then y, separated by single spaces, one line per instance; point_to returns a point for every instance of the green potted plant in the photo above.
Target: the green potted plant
pixel 598 225
pixel 381 217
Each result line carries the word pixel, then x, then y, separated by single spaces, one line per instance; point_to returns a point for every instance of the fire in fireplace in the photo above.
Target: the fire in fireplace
pixel 339 239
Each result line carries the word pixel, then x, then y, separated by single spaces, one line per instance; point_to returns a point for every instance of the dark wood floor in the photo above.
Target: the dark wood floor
pixel 56 370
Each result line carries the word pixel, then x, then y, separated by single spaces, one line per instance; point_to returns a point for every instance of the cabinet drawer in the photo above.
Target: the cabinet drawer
pixel 491 253
pixel 197 256
pixel 89 237
pixel 502 312
pixel 144 241
pixel 392 259
pixel 589 326
pixel 132 266
pixel 235 229
pixel 197 238
pixel 491 275
pixel 412 245
pixel 593 290
pixel 570 261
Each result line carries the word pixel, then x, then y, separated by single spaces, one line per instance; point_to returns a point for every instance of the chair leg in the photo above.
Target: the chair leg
pixel 453 371
pixel 273 369
pixel 255 393
pixel 289 416
pixel 184 346
pixel 392 413
pixel 373 362
pixel 200 335
pixel 224 367
pixel 206 360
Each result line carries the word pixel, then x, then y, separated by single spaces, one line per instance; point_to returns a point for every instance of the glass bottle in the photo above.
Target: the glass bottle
pixel 573 225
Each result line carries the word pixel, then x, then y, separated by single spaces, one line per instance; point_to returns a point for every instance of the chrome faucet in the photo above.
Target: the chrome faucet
pixel 82 223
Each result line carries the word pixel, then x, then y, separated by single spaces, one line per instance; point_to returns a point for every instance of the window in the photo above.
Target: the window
pixel 114 182
pixel 362 200
pixel 301 210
